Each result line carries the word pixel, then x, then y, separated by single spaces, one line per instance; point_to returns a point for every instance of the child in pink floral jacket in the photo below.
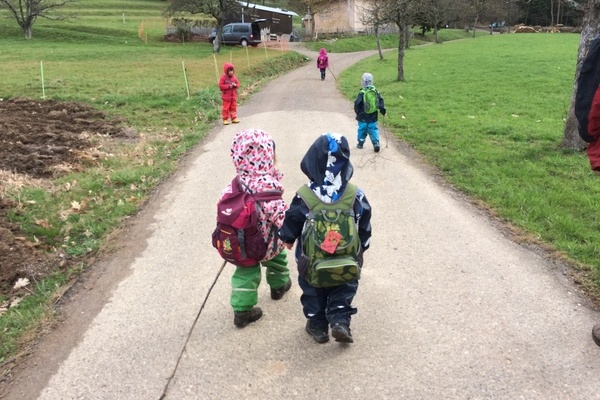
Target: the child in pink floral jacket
pixel 253 156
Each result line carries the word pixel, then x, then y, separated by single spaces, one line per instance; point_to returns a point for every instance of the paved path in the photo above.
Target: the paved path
pixel 448 306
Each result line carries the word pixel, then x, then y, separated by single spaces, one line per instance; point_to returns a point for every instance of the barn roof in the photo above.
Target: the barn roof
pixel 265 8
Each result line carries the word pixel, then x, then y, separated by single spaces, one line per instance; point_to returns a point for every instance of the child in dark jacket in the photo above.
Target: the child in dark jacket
pixel 229 85
pixel 367 123
pixel 327 166
pixel 253 156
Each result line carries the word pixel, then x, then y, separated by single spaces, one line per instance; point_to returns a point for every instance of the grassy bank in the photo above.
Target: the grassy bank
pixel 489 113
pixel 388 41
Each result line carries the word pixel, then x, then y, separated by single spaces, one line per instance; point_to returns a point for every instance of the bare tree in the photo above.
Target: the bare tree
pixel 589 31
pixel 215 8
pixel 373 15
pixel 477 8
pixel 397 11
pixel 436 12
pixel 26 12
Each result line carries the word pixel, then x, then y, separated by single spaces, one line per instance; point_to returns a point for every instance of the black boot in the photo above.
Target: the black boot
pixel 341 333
pixel 318 330
pixel 277 294
pixel 243 318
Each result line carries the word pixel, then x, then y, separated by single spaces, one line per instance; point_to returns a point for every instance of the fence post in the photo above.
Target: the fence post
pixel 42 73
pixel 187 86
pixel 216 67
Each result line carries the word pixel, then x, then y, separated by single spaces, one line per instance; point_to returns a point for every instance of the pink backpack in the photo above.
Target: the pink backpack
pixel 322 61
pixel 237 236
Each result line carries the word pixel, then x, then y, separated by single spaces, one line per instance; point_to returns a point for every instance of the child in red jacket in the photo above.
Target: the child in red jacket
pixel 229 85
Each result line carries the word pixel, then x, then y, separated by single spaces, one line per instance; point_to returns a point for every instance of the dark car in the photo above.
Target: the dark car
pixel 244 33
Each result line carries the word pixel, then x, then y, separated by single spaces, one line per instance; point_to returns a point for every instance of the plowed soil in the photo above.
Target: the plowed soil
pixel 40 140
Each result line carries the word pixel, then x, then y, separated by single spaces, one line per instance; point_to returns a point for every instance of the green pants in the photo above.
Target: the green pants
pixel 245 281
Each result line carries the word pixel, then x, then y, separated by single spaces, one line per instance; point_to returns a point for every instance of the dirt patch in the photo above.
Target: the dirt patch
pixel 41 140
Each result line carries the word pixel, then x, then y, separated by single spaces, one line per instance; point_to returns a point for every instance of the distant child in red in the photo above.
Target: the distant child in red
pixel 229 85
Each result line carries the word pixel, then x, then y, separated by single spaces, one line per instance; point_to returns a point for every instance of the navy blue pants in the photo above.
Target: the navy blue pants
pixel 333 304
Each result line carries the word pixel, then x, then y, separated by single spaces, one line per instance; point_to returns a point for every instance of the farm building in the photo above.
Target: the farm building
pixel 339 16
pixel 278 21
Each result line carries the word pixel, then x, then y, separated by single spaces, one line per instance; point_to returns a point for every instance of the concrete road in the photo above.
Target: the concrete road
pixel 448 307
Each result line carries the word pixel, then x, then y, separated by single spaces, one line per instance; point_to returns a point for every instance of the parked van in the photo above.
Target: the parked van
pixel 244 33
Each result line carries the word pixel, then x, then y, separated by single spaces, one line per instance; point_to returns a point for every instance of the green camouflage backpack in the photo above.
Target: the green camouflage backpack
pixel 330 239
pixel 369 99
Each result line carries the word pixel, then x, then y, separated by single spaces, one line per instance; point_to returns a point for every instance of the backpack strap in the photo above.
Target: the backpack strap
pixel 267 195
pixel 346 201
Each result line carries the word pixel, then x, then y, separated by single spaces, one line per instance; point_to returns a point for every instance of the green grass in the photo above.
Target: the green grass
pixel 388 41
pixel 489 113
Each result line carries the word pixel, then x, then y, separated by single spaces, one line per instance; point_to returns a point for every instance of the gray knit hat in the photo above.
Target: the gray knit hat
pixel 367 79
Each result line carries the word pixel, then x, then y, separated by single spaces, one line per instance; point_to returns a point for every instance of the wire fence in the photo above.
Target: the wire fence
pixel 140 75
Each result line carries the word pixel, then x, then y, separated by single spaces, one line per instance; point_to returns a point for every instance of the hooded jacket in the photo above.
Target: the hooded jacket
pixel 328 168
pixel 253 156
pixel 359 107
pixel 322 59
pixel 226 84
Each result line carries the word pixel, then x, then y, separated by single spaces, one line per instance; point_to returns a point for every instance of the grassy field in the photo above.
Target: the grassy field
pixel 99 58
pixel 487 112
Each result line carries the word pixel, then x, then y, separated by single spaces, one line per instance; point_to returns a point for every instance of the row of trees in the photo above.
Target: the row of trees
pixel 428 13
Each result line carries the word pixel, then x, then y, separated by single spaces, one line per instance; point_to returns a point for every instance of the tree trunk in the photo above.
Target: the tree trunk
pixel 407 34
pixel 590 29
pixel 378 42
pixel 402 37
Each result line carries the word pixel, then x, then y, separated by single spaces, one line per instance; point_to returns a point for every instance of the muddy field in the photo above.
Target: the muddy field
pixel 40 140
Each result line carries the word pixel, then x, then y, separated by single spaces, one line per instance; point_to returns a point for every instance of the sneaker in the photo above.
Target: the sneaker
pixel 318 330
pixel 376 147
pixel 596 333
pixel 235 120
pixel 359 146
pixel 243 318
pixel 341 333
pixel 277 294
pixel 225 122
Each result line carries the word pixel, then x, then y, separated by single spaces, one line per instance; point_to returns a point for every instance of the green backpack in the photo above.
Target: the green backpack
pixel 369 99
pixel 330 239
